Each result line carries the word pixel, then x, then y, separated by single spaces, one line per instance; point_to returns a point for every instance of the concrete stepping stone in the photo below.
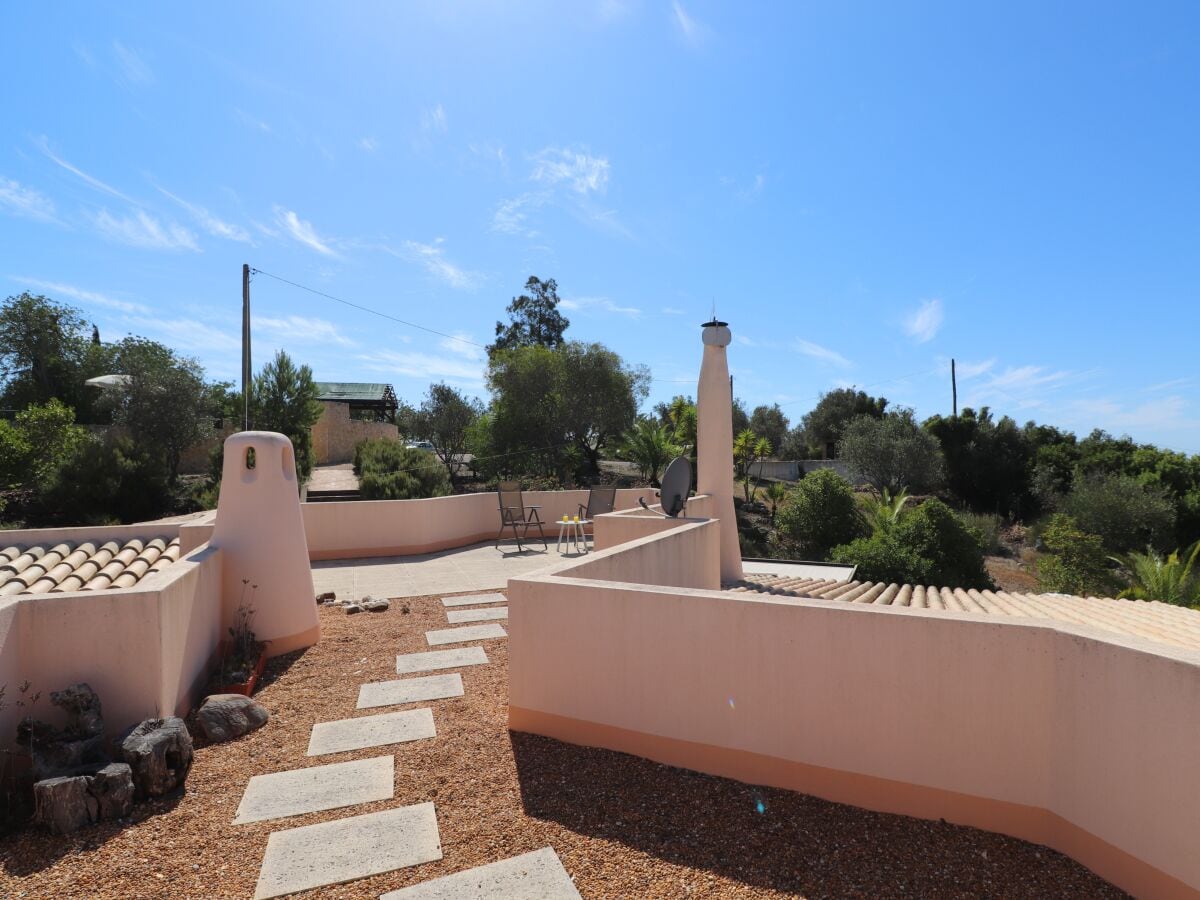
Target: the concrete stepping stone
pixel 474 600
pixel 465 633
pixel 531 876
pixel 410 690
pixel 316 788
pixel 488 614
pixel 299 859
pixel 371 731
pixel 440 659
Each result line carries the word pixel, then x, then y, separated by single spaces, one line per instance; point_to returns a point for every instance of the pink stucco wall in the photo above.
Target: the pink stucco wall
pixel 630 524
pixel 1060 734
pixel 144 650
pixel 400 527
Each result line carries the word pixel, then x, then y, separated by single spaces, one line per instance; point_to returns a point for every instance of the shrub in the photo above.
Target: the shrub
pixel 1076 562
pixel 1124 513
pixel 107 479
pixel 929 545
pixel 988 525
pixel 821 513
pixel 1175 579
pixel 390 471
pixel 38 441
pixel 892 453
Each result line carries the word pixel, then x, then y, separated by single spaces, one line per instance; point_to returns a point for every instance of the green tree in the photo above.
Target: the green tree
pixel 43 345
pixel 166 406
pixel 771 423
pixel 1074 562
pixel 534 319
pixel 285 400
pixel 445 419
pixel 648 445
pixel 884 511
pixel 36 442
pixel 928 545
pixel 824 426
pixel 741 418
pixel 987 462
pixel 748 448
pixel 679 416
pixel 820 514
pixel 1126 514
pixel 892 453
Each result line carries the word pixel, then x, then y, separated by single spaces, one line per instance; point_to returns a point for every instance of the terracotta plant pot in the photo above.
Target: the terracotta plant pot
pixel 246 688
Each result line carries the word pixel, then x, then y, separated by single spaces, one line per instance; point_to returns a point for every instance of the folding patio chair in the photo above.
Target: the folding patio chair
pixel 515 514
pixel 601 500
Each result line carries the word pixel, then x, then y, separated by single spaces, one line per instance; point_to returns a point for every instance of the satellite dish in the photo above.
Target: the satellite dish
pixel 676 483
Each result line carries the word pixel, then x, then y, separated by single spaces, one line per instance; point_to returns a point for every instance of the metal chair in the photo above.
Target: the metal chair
pixel 601 500
pixel 515 514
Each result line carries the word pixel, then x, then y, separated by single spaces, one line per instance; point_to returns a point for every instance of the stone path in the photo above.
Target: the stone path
pixel 299 859
pixel 465 633
pixel 346 849
pixel 474 600
pixel 371 731
pixel 440 659
pixel 458 616
pixel 410 690
pixel 316 788
pixel 531 876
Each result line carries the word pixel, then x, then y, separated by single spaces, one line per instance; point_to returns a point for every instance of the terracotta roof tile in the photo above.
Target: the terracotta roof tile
pixel 1155 621
pixel 85 566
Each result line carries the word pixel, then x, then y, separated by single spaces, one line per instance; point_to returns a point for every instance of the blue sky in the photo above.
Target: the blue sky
pixel 864 190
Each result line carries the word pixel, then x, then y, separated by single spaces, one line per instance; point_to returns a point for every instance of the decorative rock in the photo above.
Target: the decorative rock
pixel 160 753
pixel 352 608
pixel 78 749
pixel 112 787
pixel 327 597
pixel 223 717
pixel 64 804
pixel 371 604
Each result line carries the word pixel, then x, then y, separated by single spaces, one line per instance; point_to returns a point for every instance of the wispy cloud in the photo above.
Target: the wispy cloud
pixel 579 170
pixel 512 216
pixel 19 200
pixel 424 366
pixel 965 369
pixel 433 258
pixel 748 191
pixel 43 144
pixel 433 121
pixel 301 330
pixel 1169 413
pixel 672 311
pixel 1168 385
pixel 95 298
pixel 462 344
pixel 589 305
pixel 369 144
pixel 140 229
pixel 923 324
pixel 817 352
pixel 692 30
pixel 302 231
pixel 209 222
pixel 252 121
pixel 134 70
pixel 190 334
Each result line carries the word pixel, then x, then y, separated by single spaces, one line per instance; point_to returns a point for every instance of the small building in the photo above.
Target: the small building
pixel 353 412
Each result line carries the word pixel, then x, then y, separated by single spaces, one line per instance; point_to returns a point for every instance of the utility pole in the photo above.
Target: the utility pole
pixel 954 388
pixel 246 347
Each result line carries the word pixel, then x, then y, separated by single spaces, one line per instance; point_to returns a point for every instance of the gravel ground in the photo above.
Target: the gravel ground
pixel 623 826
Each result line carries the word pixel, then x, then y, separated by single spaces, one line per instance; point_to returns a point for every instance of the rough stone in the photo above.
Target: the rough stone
pixel 373 604
pixel 223 717
pixel 78 748
pixel 531 876
pixel 327 597
pixel 352 608
pixel 159 751
pixel 113 789
pixel 347 849
pixel 64 804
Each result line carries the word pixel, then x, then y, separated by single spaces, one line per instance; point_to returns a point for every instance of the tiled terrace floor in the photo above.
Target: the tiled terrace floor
pixel 477 568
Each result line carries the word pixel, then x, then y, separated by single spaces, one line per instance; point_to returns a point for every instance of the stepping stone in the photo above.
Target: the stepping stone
pixel 410 690
pixel 371 731
pixel 531 876
pixel 489 614
pixel 347 849
pixel 316 788
pixel 440 659
pixel 474 600
pixel 465 633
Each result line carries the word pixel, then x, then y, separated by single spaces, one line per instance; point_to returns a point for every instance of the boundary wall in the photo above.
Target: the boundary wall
pixel 1059 734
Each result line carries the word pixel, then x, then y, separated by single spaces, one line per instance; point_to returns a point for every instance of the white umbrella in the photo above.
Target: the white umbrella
pixel 109 382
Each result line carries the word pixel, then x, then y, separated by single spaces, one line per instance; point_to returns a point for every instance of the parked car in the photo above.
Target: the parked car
pixel 420 445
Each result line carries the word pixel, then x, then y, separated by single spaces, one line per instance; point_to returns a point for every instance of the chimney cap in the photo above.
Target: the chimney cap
pixel 715 324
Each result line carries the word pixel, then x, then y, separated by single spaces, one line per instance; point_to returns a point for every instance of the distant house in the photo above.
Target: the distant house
pixel 353 412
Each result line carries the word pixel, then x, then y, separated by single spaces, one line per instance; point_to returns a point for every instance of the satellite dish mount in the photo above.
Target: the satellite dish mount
pixel 676 482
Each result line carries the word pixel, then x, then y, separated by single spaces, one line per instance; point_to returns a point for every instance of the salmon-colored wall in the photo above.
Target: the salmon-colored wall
pixel 691 558
pixel 926 713
pixel 144 650
pixel 362 528
pixel 627 525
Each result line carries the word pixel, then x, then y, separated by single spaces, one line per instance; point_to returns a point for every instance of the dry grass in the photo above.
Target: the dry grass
pixel 623 826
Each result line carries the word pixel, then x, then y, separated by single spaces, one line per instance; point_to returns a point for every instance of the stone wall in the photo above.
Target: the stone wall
pixel 336 435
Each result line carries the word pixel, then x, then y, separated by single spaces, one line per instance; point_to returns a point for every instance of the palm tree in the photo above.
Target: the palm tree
pixel 749 448
pixel 649 446
pixel 776 493
pixel 1172 580
pixel 883 512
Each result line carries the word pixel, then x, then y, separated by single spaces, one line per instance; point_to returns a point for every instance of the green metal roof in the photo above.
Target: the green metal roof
pixel 355 392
